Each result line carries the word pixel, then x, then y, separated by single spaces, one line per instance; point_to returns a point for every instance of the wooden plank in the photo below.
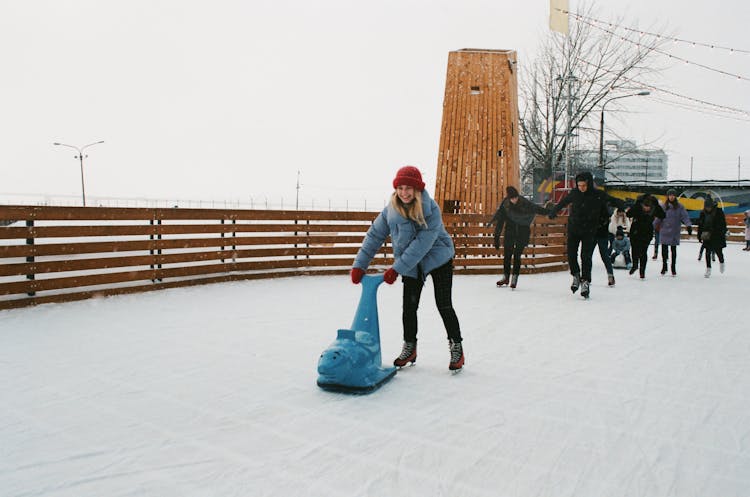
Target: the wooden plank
pixel 39 285
pixel 52 249
pixel 170 229
pixel 75 296
pixel 91 264
pixel 51 213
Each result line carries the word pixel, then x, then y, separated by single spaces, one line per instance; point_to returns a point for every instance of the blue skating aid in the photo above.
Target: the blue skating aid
pixel 352 363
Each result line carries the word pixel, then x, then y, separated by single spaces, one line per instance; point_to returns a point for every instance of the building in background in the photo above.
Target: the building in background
pixel 624 162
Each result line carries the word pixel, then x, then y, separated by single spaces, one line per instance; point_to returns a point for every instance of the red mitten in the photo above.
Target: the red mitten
pixel 390 276
pixel 357 274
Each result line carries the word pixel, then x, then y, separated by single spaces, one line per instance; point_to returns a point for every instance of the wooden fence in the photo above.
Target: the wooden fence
pixel 56 254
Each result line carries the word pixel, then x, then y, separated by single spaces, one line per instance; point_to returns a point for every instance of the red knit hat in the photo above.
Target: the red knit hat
pixel 410 176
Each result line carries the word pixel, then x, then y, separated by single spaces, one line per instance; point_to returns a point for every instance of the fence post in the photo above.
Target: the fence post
pixel 30 258
pixel 234 241
pixel 222 235
pixel 296 233
pixel 158 251
pixel 152 251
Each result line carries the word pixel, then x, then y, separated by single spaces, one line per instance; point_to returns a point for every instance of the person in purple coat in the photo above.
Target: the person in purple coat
pixel 669 229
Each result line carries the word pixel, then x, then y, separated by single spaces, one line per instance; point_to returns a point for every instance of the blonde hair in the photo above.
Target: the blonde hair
pixel 412 210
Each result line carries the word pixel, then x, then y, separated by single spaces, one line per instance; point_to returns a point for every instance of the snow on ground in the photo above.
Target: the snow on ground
pixel 644 390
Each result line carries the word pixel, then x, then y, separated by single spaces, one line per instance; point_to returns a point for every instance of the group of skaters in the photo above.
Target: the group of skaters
pixel 422 247
pixel 598 220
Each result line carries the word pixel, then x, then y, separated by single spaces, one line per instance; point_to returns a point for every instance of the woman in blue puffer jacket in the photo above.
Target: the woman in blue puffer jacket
pixel 421 247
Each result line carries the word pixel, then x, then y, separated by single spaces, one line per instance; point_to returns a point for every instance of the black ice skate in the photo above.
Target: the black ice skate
pixel 408 355
pixel 457 355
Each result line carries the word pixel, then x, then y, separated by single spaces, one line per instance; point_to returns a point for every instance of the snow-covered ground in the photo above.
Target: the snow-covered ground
pixel 644 390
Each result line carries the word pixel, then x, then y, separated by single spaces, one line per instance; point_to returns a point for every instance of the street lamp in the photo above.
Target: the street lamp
pixel 601 123
pixel 80 157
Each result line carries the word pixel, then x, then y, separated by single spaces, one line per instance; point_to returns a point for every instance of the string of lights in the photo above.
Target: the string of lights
pixel 641 32
pixel 701 110
pixel 724 109
pixel 667 54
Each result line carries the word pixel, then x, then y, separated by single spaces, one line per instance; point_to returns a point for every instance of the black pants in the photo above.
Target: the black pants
pixel 640 254
pixel 587 244
pixel 665 249
pixel 605 252
pixel 719 251
pixel 442 280
pixel 512 252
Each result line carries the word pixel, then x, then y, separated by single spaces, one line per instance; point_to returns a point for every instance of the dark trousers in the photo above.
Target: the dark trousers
pixel 702 249
pixel 512 252
pixel 442 280
pixel 587 244
pixel 640 254
pixel 665 257
pixel 604 252
pixel 719 254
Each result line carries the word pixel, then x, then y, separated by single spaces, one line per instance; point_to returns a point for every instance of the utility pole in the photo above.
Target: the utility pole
pixel 80 157
pixel 739 165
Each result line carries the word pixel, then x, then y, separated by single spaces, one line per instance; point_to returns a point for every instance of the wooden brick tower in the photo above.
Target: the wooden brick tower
pixel 478 154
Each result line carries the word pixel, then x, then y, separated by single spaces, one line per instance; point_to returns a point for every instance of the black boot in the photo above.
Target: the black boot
pixel 664 267
pixel 408 355
pixel 575 284
pixel 457 355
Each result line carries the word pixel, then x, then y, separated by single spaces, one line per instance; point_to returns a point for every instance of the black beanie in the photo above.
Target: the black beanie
pixel 511 191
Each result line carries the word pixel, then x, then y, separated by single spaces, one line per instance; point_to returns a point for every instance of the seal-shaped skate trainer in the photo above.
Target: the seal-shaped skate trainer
pixel 353 363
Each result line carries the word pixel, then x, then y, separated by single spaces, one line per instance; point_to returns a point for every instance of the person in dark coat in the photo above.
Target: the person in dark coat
pixel 603 240
pixel 712 232
pixel 670 229
pixel 588 207
pixel 644 211
pixel 515 214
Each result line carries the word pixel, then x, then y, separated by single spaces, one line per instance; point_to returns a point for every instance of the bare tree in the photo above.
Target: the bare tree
pixel 592 63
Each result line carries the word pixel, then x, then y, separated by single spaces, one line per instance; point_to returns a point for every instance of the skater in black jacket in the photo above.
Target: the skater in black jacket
pixel 712 233
pixel 644 211
pixel 515 213
pixel 588 208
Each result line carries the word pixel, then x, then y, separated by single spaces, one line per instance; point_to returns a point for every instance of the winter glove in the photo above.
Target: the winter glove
pixel 390 276
pixel 496 242
pixel 357 274
pixel 552 215
pixel 690 230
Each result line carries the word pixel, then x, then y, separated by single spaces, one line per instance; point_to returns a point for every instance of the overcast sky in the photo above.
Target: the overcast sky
pixel 229 99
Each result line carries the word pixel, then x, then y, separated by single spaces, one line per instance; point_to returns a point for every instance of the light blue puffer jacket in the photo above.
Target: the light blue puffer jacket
pixel 414 246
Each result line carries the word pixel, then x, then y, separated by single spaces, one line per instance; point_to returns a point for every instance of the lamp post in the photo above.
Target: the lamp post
pixel 601 123
pixel 80 157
